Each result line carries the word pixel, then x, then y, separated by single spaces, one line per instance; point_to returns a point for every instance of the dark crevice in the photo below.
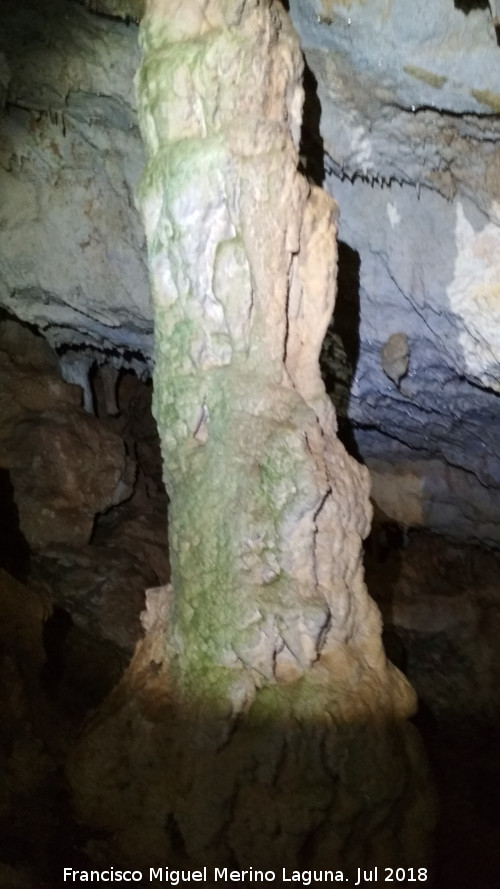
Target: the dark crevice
pixel 174 834
pixel 445 113
pixel 103 353
pixel 55 632
pixel 326 495
pixel 476 385
pixel 5 315
pixel 14 550
pixel 467 6
pixel 341 348
pixel 311 150
pixel 92 7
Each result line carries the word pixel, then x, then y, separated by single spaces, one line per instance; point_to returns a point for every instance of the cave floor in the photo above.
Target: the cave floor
pixel 459 724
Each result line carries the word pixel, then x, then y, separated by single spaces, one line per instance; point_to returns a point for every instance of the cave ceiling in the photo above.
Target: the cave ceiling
pixel 401 126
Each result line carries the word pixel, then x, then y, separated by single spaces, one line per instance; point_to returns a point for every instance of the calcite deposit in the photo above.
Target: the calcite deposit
pixel 268 724
pixel 400 126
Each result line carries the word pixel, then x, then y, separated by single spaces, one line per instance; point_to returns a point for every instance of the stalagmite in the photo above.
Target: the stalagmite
pixel 259 722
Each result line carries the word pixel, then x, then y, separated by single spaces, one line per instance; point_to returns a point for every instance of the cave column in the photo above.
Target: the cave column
pixel 267 510
pixel 290 722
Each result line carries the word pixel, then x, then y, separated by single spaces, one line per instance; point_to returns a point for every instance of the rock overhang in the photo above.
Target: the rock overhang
pixel 441 55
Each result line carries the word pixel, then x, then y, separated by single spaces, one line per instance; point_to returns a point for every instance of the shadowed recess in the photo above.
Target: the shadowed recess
pixel 14 549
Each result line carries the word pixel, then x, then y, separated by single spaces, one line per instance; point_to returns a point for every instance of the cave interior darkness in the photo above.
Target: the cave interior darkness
pixel 71 599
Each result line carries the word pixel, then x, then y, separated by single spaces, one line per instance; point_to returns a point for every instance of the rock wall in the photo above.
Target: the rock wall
pixel 401 123
pixel 408 132
pixel 65 468
pixel 70 159
pixel 83 514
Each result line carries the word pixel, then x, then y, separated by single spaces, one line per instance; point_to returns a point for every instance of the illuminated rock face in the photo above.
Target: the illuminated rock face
pixel 409 149
pixel 259 721
pixel 72 259
pixel 407 135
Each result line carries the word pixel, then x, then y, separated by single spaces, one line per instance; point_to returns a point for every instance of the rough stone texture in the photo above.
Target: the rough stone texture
pixel 47 683
pixel 416 176
pixel 422 54
pixel 64 468
pixel 260 722
pixel 395 357
pixel 408 132
pixel 84 518
pixel 417 181
pixel 442 424
pixel 70 158
pixel 123 9
pixel 68 629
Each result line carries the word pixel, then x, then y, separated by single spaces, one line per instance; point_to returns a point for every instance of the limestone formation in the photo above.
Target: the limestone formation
pixel 259 722
pixel 64 469
pixel 401 127
pixel 408 136
pixel 395 357
pixel 403 130
pixel 70 158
